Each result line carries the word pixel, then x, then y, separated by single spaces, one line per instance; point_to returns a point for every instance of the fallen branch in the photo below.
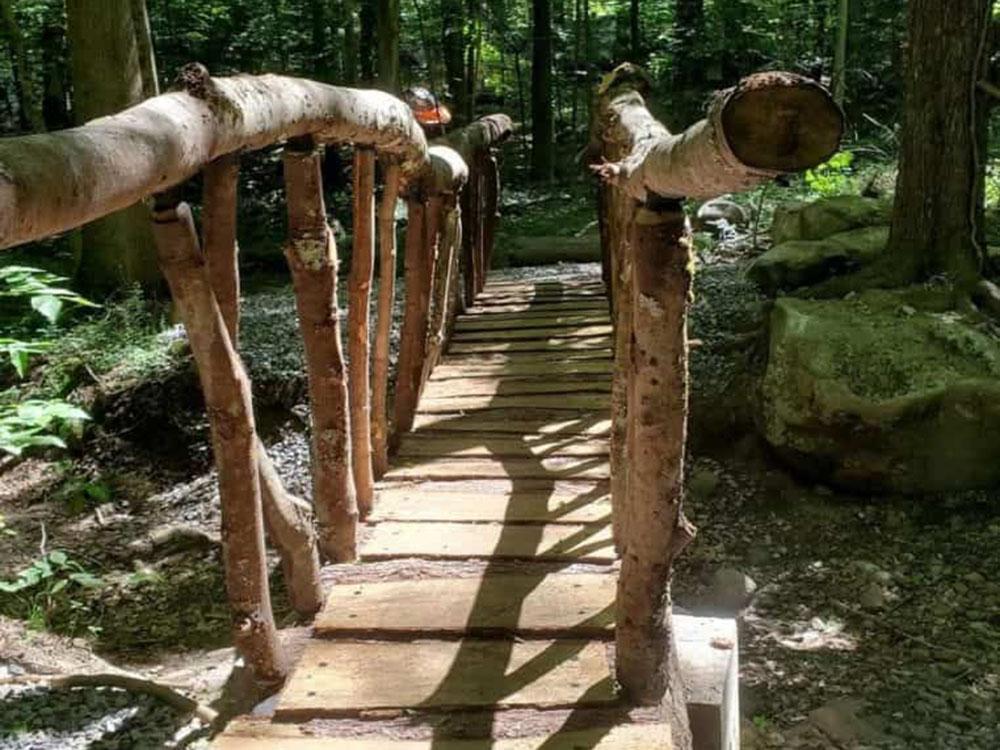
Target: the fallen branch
pixel 131 683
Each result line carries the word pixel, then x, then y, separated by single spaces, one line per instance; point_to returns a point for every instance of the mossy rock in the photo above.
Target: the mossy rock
pixel 886 391
pixel 826 217
pixel 799 263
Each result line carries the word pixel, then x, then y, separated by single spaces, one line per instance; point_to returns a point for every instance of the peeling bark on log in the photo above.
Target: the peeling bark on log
pixel 358 320
pixel 227 398
pixel 312 257
pixel 286 518
pixel 657 530
pixel 63 180
pixel 769 124
pixel 383 331
pixel 413 338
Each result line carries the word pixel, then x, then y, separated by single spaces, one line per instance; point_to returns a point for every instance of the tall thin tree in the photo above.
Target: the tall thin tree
pixel 542 155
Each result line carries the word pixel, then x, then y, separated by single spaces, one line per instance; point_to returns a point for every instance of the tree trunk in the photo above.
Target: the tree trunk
pixel 227 397
pixel 542 156
pixel 453 42
pixel 840 53
pixel 358 320
pixel 634 32
pixel 689 75
pixel 388 45
pixel 320 41
pixel 367 49
pixel 112 69
pixel 350 72
pixel 28 102
pixel 386 307
pixel 312 256
pixel 937 224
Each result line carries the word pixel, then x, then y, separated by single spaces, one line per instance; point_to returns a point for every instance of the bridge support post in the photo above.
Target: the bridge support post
pixel 286 518
pixel 358 321
pixel 657 411
pixel 312 258
pixel 383 330
pixel 234 440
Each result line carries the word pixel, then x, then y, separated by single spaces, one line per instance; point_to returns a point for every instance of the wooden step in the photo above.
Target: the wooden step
pixel 558 502
pixel 449 541
pixel 517 422
pixel 449 445
pixel 343 678
pixel 562 402
pixel 491 386
pixel 519 308
pixel 540 296
pixel 508 369
pixel 465 324
pixel 590 282
pixel 510 334
pixel 531 606
pixel 245 734
pixel 551 467
pixel 602 343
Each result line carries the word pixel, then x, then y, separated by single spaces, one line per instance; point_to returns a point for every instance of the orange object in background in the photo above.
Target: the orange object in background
pixel 426 107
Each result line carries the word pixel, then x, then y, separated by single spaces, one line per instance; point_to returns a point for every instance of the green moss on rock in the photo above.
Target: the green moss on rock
pixel 827 216
pixel 885 391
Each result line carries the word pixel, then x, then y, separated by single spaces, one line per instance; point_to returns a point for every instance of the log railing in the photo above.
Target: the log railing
pixel 55 182
pixel 770 124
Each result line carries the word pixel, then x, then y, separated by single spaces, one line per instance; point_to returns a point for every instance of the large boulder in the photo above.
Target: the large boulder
pixel 825 217
pixel 798 263
pixel 887 391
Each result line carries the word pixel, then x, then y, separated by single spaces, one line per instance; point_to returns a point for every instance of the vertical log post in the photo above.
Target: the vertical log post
pixel 477 177
pixel 657 530
pixel 312 257
pixel 442 295
pixel 358 319
pixel 413 338
pixel 227 399
pixel 286 518
pixel 470 259
pixel 383 330
pixel 491 207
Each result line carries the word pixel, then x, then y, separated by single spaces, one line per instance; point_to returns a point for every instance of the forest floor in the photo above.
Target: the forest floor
pixel 866 622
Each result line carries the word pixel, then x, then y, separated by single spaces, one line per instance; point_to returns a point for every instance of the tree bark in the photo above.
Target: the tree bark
pixel 413 338
pixel 937 224
pixel 312 257
pixel 286 518
pixel 120 159
pixel 388 45
pixel 227 397
pixel 386 307
pixel 112 68
pixel 688 82
pixel 358 320
pixel 657 530
pixel 27 99
pixel 442 297
pixel 840 53
pixel 453 42
pixel 542 155
pixel 351 52
pixel 491 207
pixel 367 18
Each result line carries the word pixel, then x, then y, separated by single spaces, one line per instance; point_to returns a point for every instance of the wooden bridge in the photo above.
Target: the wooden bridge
pixel 514 585
pixel 484 606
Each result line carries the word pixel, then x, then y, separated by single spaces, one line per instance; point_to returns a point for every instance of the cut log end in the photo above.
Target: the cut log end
pixel 781 122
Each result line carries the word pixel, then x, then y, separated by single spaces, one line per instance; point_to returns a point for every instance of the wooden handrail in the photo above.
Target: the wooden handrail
pixel 770 124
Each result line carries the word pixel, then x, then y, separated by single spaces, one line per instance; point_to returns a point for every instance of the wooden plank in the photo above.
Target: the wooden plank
pixel 517 422
pixel 581 543
pixel 557 402
pixel 549 606
pixel 600 329
pixel 487 323
pixel 257 735
pixel 602 343
pixel 336 678
pixel 540 308
pixel 429 444
pixel 527 369
pixel 509 386
pixel 427 502
pixel 552 467
pixel 560 283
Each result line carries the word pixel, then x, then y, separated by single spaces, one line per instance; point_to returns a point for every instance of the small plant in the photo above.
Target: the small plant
pixel 50 586
pixel 34 423
pixel 80 494
pixel 833 177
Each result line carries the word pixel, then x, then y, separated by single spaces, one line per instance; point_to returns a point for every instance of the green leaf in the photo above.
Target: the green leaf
pixel 58 557
pixel 48 306
pixel 19 358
